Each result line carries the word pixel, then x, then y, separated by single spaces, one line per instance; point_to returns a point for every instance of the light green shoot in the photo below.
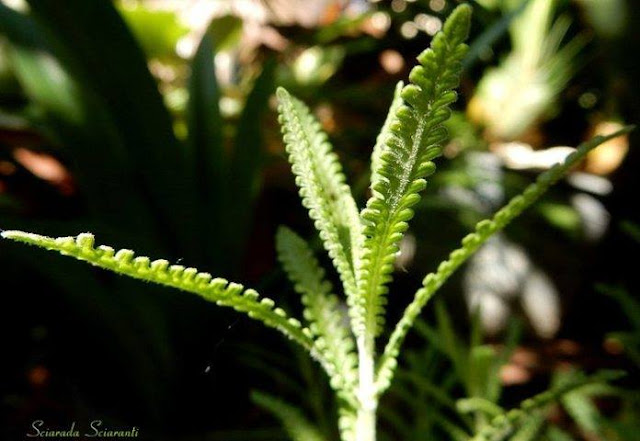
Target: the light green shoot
pixel 362 245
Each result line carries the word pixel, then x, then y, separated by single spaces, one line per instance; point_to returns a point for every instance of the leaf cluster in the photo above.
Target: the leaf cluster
pixel 363 245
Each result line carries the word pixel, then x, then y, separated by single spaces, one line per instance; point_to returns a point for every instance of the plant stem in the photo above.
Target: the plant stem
pixel 365 428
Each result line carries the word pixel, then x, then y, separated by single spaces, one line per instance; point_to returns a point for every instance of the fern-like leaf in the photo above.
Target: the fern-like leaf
pixel 501 425
pixel 470 244
pixel 322 187
pixel 385 133
pixel 415 139
pixel 327 322
pixel 294 422
pixel 161 272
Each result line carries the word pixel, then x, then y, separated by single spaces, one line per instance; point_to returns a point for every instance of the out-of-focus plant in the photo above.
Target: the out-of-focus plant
pixel 608 16
pixel 622 424
pixel 137 178
pixel 441 366
pixel 158 32
pixel 436 372
pixel 629 340
pixel 511 97
pixel 363 246
pixel 83 94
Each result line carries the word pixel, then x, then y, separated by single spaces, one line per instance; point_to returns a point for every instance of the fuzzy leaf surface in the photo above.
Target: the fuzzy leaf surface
pixel 322 187
pixel 415 139
pixel 217 290
pixel 322 309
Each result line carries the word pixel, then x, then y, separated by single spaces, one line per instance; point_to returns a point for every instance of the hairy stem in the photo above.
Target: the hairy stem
pixel 365 427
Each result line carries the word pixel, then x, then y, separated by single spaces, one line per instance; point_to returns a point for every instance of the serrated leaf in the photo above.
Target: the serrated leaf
pixel 327 322
pixel 322 187
pixel 217 290
pixel 415 139
pixel 470 244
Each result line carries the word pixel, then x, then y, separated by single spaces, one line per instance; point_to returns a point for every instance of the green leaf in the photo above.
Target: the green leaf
pixel 478 404
pixel 453 431
pixel 416 137
pixel 493 385
pixel 225 181
pixel 500 426
pixel 435 393
pixel 481 359
pixel 530 429
pixel 583 411
pixel 322 188
pixel 580 406
pixel 226 32
pixel 159 271
pixel 245 163
pixel 158 31
pixel 295 423
pixel 470 244
pixel 490 35
pixel 205 149
pixel 327 322
pixel 247 156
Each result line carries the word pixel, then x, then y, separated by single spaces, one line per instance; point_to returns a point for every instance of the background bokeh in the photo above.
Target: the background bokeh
pixel 152 124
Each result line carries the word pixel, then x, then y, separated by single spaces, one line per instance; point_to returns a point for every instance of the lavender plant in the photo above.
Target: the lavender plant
pixel 362 244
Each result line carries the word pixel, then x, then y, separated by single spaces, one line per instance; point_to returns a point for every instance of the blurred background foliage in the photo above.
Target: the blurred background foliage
pixel 151 123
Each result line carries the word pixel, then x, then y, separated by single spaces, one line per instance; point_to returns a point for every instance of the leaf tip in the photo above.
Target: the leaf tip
pixel 17 235
pixel 459 22
pixel 282 93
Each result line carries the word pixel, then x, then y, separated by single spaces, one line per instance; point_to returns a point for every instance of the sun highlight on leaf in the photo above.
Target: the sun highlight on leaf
pixel 415 139
pixel 217 290
pixel 322 187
